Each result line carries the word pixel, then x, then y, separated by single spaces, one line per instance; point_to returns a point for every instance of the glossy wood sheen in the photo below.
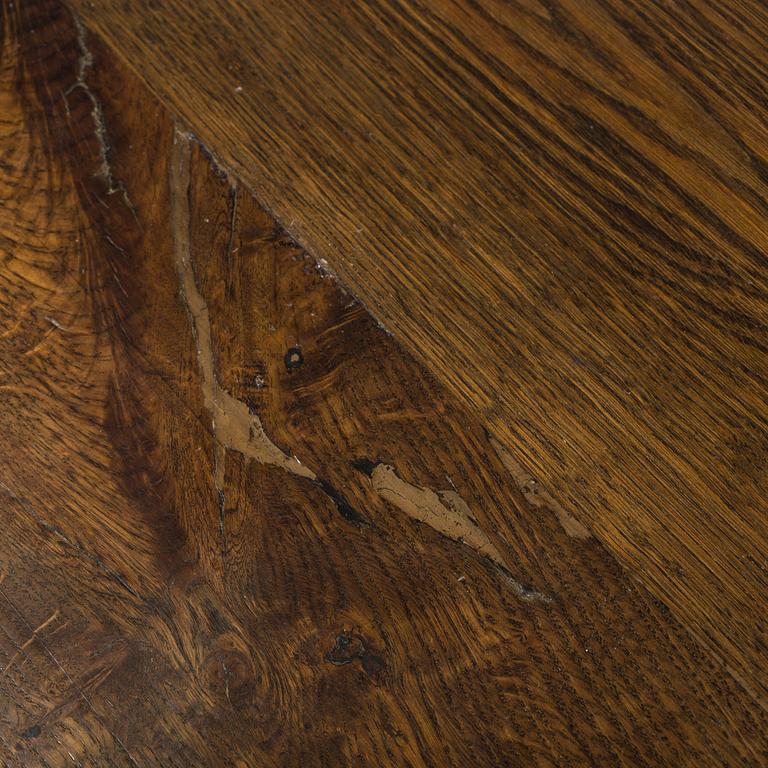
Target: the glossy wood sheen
pixel 560 207
pixel 242 526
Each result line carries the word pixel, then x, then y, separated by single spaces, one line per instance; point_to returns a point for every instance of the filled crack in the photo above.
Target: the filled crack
pixel 234 426
pixel 444 511
pixel 345 509
pixel 537 497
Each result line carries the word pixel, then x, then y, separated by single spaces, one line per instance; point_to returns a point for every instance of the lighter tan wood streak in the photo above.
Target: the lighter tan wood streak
pixel 535 496
pixel 452 519
pixel 424 505
pixel 234 426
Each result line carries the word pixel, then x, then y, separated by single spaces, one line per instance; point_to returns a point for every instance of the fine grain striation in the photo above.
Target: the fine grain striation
pixel 558 206
pixel 177 590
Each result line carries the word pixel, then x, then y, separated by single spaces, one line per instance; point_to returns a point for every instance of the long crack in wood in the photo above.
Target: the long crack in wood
pixel 234 426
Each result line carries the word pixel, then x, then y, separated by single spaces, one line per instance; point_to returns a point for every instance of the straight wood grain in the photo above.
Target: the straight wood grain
pixel 242 525
pixel 559 207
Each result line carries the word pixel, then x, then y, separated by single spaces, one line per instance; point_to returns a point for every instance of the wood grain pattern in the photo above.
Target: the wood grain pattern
pixel 173 595
pixel 559 206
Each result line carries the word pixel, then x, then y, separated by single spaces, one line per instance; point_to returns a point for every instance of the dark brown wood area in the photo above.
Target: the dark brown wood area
pixel 559 206
pixel 243 525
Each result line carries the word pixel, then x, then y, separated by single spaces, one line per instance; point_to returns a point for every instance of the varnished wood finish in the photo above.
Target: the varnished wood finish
pixel 364 576
pixel 560 207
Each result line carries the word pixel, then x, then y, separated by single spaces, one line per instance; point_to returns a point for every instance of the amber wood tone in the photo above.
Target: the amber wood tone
pixel 559 206
pixel 242 526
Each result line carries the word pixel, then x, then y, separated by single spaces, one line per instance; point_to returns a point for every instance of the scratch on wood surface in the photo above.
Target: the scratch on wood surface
pixel 234 426
pixel 84 64
pixel 536 497
pixel 80 692
pixel 67 542
pixel 20 649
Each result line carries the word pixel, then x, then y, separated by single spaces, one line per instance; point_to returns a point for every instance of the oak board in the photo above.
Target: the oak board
pixel 559 207
pixel 244 525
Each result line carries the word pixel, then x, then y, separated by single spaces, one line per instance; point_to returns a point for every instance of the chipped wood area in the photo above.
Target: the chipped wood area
pixel 176 589
pixel 538 497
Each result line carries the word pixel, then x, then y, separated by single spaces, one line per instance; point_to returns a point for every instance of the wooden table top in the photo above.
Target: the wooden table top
pixel 383 383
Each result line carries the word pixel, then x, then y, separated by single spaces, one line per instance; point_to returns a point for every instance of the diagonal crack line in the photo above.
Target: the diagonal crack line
pixel 451 521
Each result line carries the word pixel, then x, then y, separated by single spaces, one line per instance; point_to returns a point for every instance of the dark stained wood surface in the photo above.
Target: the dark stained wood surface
pixel 242 525
pixel 558 206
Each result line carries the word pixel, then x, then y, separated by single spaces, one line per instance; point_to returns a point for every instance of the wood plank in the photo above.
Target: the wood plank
pixel 176 591
pixel 559 207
